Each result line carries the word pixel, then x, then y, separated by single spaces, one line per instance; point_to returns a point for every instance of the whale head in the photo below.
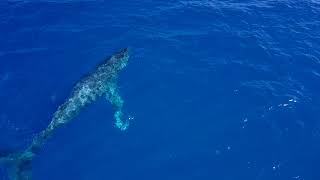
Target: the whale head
pixel 120 59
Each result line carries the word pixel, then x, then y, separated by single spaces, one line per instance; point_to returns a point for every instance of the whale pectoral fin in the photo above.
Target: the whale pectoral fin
pixel 116 100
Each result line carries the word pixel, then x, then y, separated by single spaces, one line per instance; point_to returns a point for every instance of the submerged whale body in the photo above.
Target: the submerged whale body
pixel 101 82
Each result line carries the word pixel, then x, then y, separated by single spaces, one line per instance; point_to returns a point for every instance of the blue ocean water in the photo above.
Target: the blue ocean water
pixel 218 89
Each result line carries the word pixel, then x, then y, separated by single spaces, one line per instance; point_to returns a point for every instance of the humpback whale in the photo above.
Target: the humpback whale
pixel 101 82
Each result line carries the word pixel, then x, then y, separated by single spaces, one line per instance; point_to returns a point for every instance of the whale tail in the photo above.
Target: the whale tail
pixel 18 165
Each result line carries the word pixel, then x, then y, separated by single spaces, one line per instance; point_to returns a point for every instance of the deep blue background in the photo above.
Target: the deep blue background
pixel 218 89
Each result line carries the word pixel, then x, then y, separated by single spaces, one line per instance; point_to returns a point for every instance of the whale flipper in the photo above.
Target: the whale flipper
pixel 113 96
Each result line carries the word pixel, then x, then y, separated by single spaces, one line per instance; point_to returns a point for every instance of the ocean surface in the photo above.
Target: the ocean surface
pixel 219 90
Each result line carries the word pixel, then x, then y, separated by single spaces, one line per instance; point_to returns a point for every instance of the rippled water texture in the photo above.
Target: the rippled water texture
pixel 218 89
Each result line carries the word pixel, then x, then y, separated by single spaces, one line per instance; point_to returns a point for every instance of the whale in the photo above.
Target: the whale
pixel 101 82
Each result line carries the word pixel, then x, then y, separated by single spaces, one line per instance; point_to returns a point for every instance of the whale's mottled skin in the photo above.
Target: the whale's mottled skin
pixel 101 82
